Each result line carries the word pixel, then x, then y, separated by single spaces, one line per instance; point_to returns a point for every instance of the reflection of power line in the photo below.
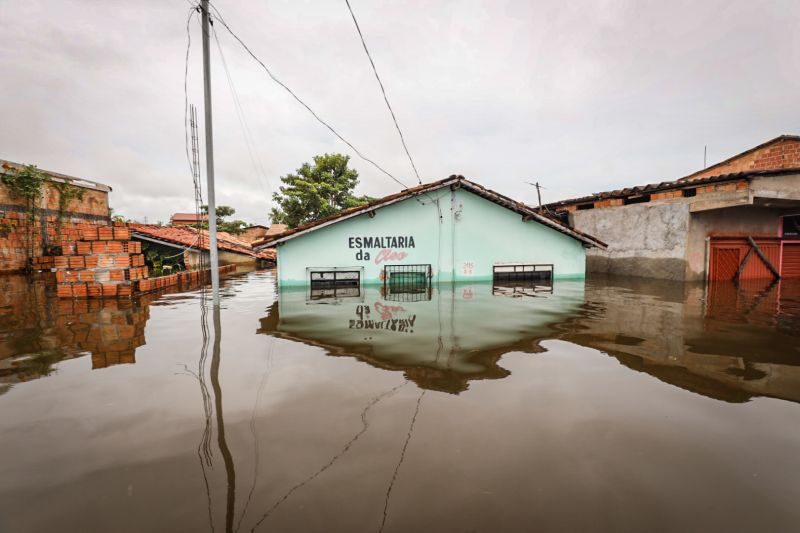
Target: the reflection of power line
pixel 204 452
pixel 400 462
pixel 256 448
pixel 364 427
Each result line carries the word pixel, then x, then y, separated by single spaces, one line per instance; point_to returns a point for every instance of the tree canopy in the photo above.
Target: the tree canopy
pixel 316 191
pixel 228 226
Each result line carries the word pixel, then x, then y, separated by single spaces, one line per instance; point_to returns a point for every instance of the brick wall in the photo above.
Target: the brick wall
pixel 102 262
pixel 18 243
pixel 784 153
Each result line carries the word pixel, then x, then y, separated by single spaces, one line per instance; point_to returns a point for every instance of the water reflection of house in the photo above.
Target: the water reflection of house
pixel 441 342
pixel 697 227
pixel 667 330
pixel 702 344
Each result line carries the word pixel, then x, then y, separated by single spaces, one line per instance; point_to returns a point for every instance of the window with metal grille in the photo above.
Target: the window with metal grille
pixel 522 272
pixel 407 280
pixel 334 282
pixel 325 279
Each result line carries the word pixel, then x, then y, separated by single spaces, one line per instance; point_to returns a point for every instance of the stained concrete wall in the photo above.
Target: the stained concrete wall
pixel 644 240
pixel 666 239
pixel 739 221
pixel 785 187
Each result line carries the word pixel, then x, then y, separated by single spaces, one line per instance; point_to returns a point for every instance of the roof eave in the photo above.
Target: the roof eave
pixel 492 196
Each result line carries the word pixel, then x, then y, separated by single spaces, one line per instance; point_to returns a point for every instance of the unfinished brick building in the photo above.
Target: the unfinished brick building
pixel 706 225
pixel 26 236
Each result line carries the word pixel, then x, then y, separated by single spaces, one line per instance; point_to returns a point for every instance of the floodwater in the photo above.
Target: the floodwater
pixel 616 405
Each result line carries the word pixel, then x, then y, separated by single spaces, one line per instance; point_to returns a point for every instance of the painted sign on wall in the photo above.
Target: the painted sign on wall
pixel 390 247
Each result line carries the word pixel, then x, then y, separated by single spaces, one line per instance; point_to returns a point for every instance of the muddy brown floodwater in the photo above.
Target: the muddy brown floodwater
pixel 614 405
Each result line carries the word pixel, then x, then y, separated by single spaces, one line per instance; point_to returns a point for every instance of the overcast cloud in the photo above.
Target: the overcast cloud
pixel 581 96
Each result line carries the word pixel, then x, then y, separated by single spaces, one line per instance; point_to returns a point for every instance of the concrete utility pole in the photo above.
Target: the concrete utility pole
pixel 212 205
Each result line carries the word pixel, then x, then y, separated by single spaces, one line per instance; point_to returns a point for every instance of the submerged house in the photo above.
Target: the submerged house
pixel 448 230
pixel 192 249
pixel 738 219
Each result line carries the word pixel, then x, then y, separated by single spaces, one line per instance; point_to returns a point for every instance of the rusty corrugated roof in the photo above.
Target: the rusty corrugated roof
pixel 187 236
pixel 452 181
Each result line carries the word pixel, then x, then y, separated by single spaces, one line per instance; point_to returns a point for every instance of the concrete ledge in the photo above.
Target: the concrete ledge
pixel 722 200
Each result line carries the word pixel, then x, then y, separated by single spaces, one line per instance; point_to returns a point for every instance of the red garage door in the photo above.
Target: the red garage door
pixel 790 268
pixel 724 263
pixel 728 253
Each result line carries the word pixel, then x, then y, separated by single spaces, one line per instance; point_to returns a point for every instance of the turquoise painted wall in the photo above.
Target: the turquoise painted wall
pixel 463 244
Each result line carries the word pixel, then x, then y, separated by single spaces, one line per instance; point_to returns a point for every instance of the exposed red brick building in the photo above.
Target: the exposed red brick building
pixel 187 219
pixel 23 240
pixel 699 226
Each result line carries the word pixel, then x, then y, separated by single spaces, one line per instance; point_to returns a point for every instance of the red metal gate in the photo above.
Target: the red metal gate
pixel 727 255
pixel 790 265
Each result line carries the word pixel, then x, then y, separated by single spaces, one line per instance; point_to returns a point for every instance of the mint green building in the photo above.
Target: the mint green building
pixel 449 230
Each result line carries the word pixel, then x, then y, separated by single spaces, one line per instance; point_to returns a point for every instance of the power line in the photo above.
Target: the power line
pixel 186 90
pixel 258 167
pixel 301 102
pixel 383 90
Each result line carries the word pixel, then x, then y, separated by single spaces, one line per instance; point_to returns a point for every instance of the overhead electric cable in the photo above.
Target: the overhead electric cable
pixel 301 102
pixel 383 90
pixel 258 167
pixel 186 89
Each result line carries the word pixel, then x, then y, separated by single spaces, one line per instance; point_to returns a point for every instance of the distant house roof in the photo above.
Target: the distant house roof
pixel 667 186
pixel 6 166
pixel 775 157
pixel 190 218
pixel 188 237
pixel 453 181
pixel 277 229
pixel 770 158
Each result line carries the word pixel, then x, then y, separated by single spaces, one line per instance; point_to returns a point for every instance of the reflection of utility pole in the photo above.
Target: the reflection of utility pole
pixel 223 443
pixel 538 192
pixel 212 218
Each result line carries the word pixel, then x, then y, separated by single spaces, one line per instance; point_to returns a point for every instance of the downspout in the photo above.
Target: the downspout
pixel 706 273
pixel 453 234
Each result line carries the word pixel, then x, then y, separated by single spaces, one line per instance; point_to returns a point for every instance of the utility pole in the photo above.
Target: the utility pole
pixel 212 205
pixel 538 192
pixel 705 153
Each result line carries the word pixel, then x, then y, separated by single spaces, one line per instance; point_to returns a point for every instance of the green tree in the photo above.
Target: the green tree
pixel 228 226
pixel 316 191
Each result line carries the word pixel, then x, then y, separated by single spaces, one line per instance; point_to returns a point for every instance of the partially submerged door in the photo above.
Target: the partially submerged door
pixel 724 263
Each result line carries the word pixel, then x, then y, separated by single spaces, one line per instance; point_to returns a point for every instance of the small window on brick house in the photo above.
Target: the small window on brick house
pixel 687 193
pixel 639 199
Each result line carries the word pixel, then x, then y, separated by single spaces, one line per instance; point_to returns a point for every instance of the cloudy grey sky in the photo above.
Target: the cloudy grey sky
pixel 581 96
